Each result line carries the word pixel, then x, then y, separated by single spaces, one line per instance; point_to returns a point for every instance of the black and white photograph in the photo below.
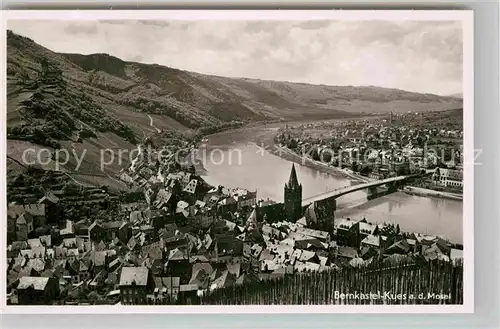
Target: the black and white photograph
pixel 238 159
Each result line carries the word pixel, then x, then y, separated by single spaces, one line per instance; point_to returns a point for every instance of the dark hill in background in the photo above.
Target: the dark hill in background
pixel 104 102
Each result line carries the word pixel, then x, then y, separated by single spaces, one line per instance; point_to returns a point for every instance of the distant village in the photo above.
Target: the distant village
pixel 388 146
pixel 173 239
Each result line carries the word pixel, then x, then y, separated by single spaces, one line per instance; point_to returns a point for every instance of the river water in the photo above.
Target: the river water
pixel 239 159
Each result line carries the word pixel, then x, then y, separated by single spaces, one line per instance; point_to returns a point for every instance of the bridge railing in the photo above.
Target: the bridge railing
pixel 369 184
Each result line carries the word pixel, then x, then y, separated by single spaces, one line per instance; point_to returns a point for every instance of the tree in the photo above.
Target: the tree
pixel 45 66
pixel 315 155
pixel 354 166
pixel 70 189
pixel 365 170
pixel 94 297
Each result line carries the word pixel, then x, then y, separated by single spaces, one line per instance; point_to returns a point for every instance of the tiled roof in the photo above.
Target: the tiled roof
pixel 49 197
pixel 47 240
pixel 344 224
pixel 167 282
pixel 37 264
pixel 203 266
pixel 176 255
pixel 34 243
pixel 112 225
pixel 313 233
pixel 225 280
pixel 24 219
pixel 16 210
pixel 366 228
pixel 99 258
pixel 38 283
pixel 137 275
pixel 372 240
pixel 246 278
pixel 456 253
pixel 347 252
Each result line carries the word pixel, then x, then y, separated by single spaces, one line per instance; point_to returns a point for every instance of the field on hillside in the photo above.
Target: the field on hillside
pixel 54 99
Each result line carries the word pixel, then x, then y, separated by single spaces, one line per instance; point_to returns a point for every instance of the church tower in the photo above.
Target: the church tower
pixel 293 197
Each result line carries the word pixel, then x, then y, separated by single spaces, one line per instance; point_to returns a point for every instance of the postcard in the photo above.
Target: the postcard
pixel 238 161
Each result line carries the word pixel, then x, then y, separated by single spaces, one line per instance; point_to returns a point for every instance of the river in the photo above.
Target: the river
pixel 239 158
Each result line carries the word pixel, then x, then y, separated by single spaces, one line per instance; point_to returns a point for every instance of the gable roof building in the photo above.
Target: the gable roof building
pixel 134 276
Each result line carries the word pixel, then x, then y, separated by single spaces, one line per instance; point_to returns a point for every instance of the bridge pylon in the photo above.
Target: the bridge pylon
pixel 392 187
pixel 372 193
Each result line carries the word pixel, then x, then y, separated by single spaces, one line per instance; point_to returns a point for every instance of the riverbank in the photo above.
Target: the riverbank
pixel 289 155
pixel 286 153
pixel 412 190
pixel 263 136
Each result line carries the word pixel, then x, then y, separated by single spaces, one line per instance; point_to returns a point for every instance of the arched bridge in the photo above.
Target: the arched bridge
pixel 393 182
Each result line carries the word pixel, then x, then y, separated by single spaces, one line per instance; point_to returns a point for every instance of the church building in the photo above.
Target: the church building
pixel 293 197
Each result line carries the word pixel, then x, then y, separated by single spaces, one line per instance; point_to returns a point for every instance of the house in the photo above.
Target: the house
pixel 136 217
pixel 68 231
pixel 368 252
pixel 109 231
pixel 320 235
pixel 24 226
pixel 448 177
pixel 247 278
pixel 165 288
pixel 319 214
pixel 270 212
pixel 164 199
pixel 177 263
pixel 400 246
pixel 190 188
pixel 37 290
pixel 136 283
pixel 244 198
pixel 99 280
pixel 360 230
pixel 227 245
pixel 79 270
pixel 98 259
pixel 456 254
pixel 205 217
pixel 225 280
pixel 188 293
pixel 227 204
pixel 37 211
pixel 51 203
pixel 344 235
pixel 11 229
pixel 346 253
pixel 129 207
pixel 271 232
pixel 371 241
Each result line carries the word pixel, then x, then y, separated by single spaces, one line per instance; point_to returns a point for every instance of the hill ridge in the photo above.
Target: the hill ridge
pixel 52 97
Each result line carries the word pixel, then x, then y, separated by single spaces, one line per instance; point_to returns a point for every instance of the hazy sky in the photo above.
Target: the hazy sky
pixel 417 56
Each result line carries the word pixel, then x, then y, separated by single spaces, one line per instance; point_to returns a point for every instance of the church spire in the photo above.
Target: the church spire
pixel 293 197
pixel 293 181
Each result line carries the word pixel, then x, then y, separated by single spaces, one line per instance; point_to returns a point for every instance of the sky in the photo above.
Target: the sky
pixel 420 56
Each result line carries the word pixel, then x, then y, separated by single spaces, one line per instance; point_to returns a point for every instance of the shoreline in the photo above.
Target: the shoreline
pixel 335 171
pixel 287 154
pixel 308 162
pixel 419 191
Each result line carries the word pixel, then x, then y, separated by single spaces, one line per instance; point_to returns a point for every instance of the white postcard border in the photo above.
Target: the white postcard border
pixel 466 16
